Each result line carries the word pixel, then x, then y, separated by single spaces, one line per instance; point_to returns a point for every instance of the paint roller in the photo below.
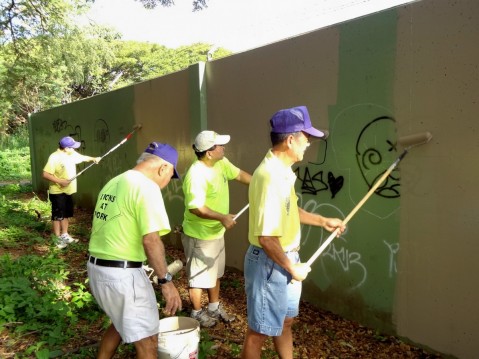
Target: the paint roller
pixel 173 268
pixel 407 142
pixel 135 128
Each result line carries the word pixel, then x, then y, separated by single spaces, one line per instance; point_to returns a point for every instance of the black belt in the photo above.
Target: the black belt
pixel 296 249
pixel 116 264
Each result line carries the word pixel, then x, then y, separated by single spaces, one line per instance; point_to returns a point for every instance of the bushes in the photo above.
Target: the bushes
pixel 35 298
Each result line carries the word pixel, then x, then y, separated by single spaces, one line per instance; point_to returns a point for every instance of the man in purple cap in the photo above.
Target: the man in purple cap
pixel 60 167
pixel 272 268
pixel 128 222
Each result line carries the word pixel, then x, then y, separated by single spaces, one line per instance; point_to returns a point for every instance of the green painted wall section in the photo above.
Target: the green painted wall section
pixel 100 124
pixel 356 274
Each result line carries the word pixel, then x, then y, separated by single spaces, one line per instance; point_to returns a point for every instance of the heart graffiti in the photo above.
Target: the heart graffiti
pixel 335 183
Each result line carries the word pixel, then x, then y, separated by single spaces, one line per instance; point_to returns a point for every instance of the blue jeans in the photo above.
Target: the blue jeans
pixel 270 295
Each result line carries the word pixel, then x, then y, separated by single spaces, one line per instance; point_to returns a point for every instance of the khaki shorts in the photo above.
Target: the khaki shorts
pixel 127 297
pixel 205 261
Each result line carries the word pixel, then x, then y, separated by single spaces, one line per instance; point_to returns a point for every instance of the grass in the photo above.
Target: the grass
pixel 15 165
pixel 44 300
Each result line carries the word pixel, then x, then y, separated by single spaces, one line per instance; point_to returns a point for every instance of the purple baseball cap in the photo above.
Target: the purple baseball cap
pixel 294 119
pixel 68 142
pixel 166 152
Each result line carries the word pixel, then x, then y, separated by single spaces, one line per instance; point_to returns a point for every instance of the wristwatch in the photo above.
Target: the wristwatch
pixel 168 277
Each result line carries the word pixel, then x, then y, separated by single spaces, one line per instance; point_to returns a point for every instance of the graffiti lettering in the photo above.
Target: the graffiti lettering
pixel 393 250
pixel 315 183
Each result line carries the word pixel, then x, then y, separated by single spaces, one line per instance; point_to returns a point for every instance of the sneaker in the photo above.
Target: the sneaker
pixel 60 243
pixel 204 319
pixel 68 239
pixel 221 313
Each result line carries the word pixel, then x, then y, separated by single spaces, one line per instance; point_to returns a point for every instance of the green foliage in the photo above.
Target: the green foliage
pixel 235 350
pixel 136 61
pixel 20 220
pixel 21 19
pixel 46 60
pixel 31 294
pixel 233 283
pixel 55 70
pixel 205 346
pixel 17 141
pixel 151 4
pixel 34 297
pixel 15 164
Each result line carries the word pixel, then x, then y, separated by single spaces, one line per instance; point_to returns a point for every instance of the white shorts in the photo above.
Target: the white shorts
pixel 127 297
pixel 205 261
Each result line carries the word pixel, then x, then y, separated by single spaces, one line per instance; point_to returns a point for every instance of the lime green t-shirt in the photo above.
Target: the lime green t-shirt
pixel 207 186
pixel 63 165
pixel 128 207
pixel 273 209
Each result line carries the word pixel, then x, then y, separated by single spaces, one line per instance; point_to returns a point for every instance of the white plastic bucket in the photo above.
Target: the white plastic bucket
pixel 178 338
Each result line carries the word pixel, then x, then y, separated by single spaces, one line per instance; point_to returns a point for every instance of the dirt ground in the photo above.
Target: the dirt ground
pixel 317 333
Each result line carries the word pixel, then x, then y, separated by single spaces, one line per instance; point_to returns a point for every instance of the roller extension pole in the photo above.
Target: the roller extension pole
pixel 135 128
pixel 241 212
pixel 408 142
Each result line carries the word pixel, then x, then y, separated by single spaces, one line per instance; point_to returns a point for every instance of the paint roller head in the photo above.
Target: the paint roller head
pixel 415 140
pixel 137 127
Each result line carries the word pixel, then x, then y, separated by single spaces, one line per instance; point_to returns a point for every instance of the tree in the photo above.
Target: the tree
pixel 26 19
pixel 151 4
pixel 138 61
pixel 55 70
pixel 46 60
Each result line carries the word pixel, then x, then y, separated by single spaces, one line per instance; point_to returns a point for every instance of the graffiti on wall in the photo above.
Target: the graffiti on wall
pixel 101 131
pixel 374 148
pixel 62 126
pixel 371 153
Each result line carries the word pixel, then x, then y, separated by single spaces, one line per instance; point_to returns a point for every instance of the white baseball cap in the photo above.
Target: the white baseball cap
pixel 207 139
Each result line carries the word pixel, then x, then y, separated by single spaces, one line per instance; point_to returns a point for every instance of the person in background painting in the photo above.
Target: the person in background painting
pixel 60 168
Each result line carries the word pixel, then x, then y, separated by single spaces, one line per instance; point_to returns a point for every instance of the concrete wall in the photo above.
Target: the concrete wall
pixel 404 264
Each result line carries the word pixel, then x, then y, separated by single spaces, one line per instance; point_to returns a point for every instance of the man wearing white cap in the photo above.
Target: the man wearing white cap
pixel 272 268
pixel 205 221
pixel 60 167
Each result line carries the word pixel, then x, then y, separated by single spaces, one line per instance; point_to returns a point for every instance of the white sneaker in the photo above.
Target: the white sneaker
pixel 221 313
pixel 60 243
pixel 204 319
pixel 68 239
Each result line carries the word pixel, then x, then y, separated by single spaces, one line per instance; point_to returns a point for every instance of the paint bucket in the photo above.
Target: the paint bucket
pixel 179 338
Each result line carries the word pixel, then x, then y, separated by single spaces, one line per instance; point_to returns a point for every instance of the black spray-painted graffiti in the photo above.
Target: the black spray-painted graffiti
pixel 60 125
pixel 313 184
pixel 375 145
pixel 372 155
pixel 102 132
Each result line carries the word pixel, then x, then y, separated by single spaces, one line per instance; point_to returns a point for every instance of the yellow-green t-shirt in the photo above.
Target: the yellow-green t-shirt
pixel 273 209
pixel 128 207
pixel 207 186
pixel 63 165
